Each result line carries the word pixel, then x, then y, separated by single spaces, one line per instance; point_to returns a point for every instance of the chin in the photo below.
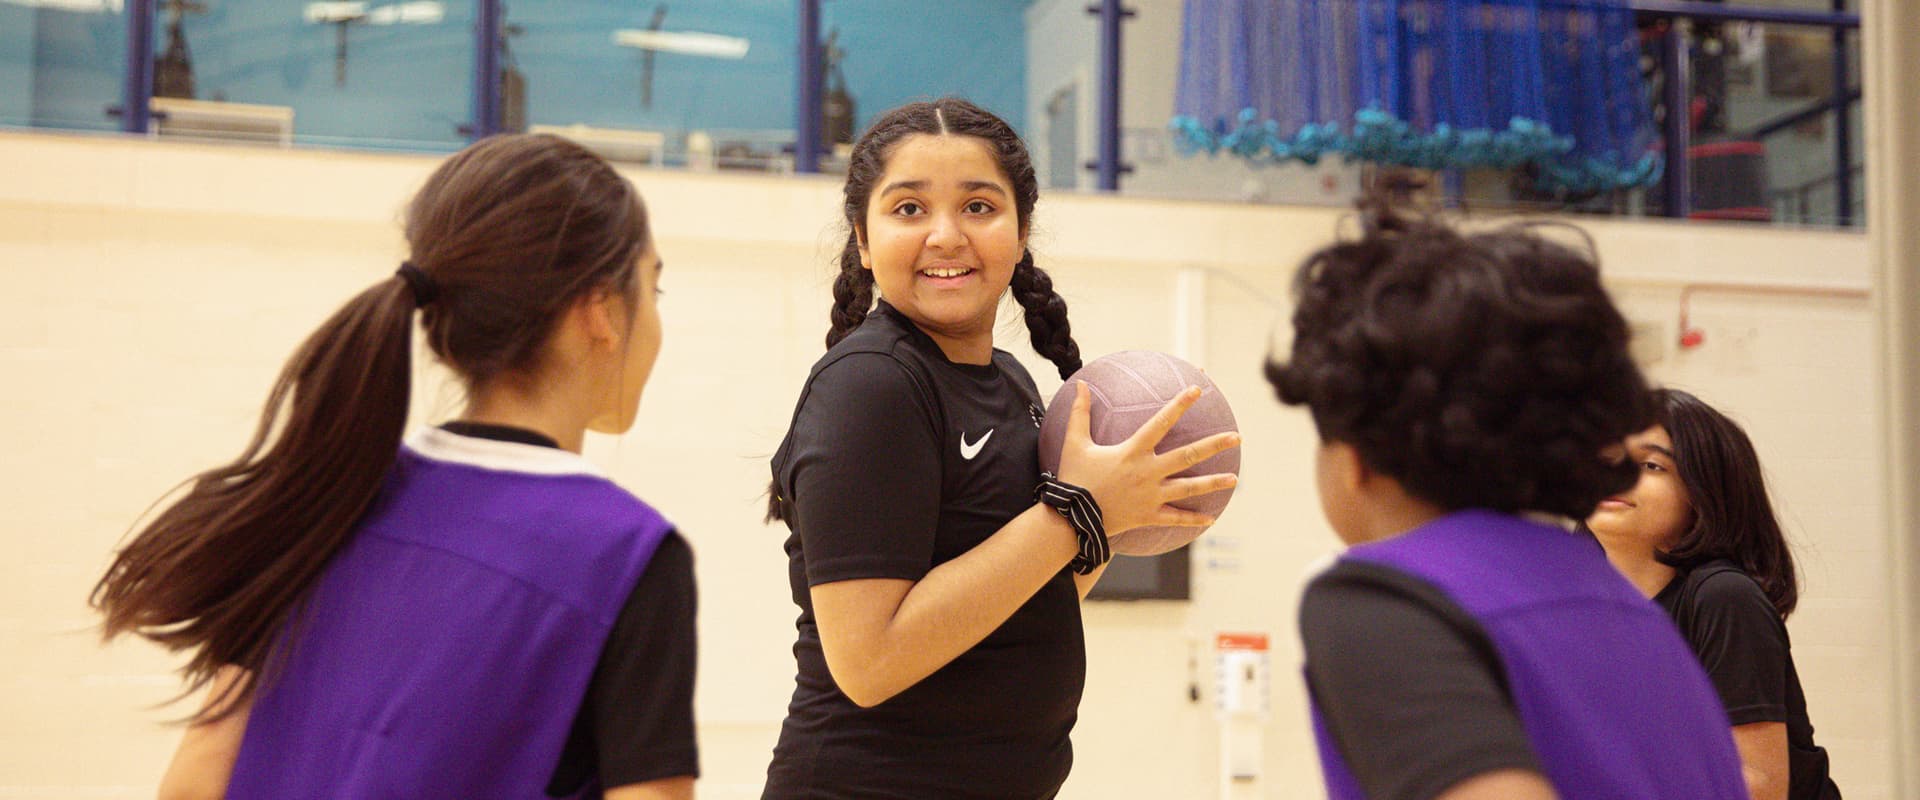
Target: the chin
pixel 1602 525
pixel 952 316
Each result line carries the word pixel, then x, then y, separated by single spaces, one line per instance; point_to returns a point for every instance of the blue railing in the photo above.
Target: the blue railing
pixel 1675 64
pixel 1678 132
pixel 135 111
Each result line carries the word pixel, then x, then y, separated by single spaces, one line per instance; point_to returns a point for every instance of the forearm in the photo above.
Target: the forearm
pixel 1085 583
pixel 203 763
pixel 1763 758
pixel 1505 784
pixel 946 612
pixel 663 789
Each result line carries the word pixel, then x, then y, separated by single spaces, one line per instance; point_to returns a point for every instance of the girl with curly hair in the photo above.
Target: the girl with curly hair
pixel 1464 384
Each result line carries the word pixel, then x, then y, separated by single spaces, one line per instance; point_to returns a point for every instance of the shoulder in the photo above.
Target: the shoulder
pixel 1719 601
pixel 857 380
pixel 1014 369
pixel 877 352
pixel 1349 596
pixel 1722 584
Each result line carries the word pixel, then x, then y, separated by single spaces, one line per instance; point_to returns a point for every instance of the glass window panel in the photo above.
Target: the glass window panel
pixel 382 74
pixel 707 84
pixel 61 63
pixel 888 53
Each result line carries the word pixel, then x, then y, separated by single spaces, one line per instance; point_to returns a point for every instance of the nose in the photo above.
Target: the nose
pixel 945 234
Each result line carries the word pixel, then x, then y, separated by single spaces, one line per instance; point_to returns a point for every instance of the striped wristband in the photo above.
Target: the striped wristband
pixel 1078 506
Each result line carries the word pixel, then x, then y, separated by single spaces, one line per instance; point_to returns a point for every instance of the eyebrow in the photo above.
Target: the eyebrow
pixel 921 186
pixel 1658 449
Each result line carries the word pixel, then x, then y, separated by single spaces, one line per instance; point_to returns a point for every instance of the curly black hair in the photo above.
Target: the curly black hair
pixel 1479 369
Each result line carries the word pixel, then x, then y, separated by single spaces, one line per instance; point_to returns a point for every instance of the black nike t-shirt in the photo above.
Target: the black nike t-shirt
pixel 899 460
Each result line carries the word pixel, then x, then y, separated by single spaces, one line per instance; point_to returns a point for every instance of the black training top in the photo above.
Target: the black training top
pixel 897 461
pixel 1404 658
pixel 636 722
pixel 1742 642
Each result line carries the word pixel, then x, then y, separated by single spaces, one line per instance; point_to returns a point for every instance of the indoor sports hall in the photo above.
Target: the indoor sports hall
pixel 188 188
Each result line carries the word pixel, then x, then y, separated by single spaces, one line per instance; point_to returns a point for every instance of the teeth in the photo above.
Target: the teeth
pixel 953 272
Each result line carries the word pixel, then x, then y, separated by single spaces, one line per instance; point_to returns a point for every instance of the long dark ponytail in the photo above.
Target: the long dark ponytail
pixel 1732 515
pixel 503 236
pixel 1045 311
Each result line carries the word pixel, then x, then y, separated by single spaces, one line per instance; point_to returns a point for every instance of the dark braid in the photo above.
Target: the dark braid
pixel 1046 316
pixel 852 293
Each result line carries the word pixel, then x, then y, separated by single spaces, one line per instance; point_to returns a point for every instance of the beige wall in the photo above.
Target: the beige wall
pixel 151 291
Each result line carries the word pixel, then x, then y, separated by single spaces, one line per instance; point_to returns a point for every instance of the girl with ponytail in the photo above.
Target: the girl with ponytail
pixel 938 572
pixel 456 615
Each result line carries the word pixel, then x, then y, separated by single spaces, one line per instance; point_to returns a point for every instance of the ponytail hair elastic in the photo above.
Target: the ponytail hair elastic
pixel 419 282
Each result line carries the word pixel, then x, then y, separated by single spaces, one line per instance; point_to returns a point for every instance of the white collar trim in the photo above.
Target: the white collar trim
pixel 443 445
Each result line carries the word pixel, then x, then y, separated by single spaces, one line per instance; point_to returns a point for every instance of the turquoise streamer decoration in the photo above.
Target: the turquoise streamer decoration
pixel 1552 86
pixel 1378 137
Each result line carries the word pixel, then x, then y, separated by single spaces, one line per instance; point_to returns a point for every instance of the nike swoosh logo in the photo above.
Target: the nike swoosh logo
pixel 968 451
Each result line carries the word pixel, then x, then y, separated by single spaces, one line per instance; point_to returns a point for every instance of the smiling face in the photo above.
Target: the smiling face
pixel 942 236
pixel 1656 511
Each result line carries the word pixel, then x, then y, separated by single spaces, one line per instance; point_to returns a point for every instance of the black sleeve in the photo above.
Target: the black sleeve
pixel 1407 683
pixel 1742 644
pixel 864 472
pixel 636 723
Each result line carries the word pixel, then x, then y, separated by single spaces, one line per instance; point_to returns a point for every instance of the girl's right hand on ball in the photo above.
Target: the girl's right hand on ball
pixel 1133 484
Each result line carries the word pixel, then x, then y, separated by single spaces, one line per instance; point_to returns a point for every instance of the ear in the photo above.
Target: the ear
pixel 860 242
pixel 600 315
pixel 1345 466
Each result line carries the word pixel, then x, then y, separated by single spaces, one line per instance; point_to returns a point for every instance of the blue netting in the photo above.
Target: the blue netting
pixel 1436 84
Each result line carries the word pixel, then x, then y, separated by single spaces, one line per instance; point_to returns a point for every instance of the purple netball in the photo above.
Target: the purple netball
pixel 1125 390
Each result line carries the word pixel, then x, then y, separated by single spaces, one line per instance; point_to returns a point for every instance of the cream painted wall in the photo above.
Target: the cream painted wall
pixel 151 291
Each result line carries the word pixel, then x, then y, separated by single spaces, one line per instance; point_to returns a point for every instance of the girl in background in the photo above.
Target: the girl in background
pixel 1697 534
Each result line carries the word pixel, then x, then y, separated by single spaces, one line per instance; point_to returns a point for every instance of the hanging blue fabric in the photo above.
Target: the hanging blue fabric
pixel 1437 84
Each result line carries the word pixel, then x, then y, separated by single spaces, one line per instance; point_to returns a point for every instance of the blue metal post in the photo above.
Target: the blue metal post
pixel 1454 184
pixel 807 114
pixel 136 95
pixel 1678 66
pixel 1842 127
pixel 486 71
pixel 1107 167
pixel 1696 10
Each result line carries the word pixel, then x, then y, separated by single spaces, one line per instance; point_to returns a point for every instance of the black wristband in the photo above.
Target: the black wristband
pixel 1083 514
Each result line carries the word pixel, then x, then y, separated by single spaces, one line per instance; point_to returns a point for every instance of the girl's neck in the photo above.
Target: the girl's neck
pixel 972 344
pixel 1641 569
pixel 547 413
pixel 976 350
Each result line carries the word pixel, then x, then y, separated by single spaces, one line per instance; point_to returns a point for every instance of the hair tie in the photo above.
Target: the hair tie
pixel 422 285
